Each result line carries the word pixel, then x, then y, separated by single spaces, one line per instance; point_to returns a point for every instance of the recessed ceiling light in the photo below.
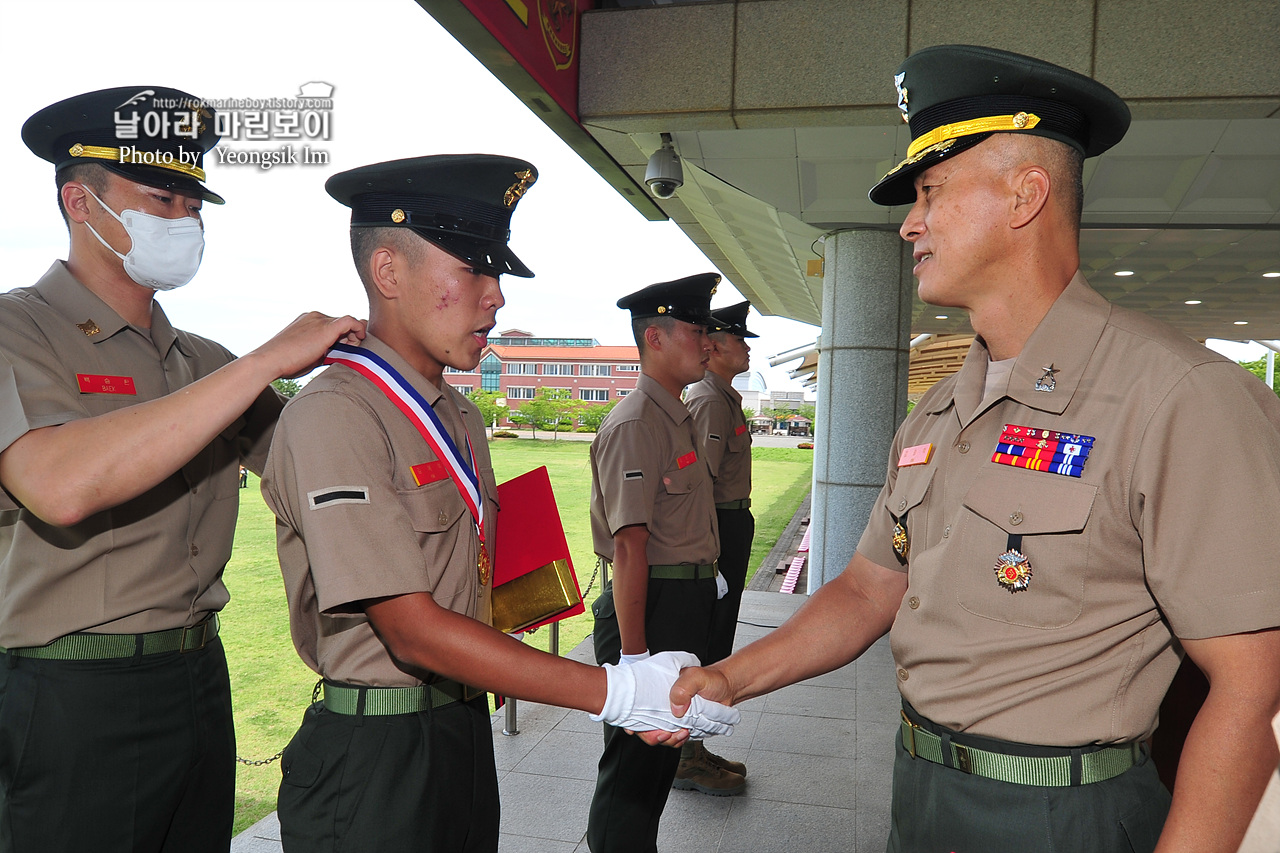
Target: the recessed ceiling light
pixel 1271 275
pixel 1123 273
pixel 1242 322
pixel 1192 302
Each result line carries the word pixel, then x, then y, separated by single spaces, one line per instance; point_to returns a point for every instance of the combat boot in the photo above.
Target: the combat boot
pixel 720 761
pixel 697 773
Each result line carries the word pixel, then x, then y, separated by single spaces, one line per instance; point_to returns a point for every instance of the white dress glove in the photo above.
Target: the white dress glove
pixel 722 585
pixel 630 659
pixel 639 699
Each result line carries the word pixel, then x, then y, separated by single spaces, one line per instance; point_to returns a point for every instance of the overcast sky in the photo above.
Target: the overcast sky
pixel 402 88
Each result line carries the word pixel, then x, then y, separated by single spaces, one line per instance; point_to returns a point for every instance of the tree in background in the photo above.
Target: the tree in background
pixel 592 415
pixel 486 402
pixel 287 387
pixel 1257 368
pixel 748 413
pixel 552 409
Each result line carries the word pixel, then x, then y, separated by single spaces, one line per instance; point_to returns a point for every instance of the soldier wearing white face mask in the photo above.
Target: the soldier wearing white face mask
pixel 121 440
pixel 165 253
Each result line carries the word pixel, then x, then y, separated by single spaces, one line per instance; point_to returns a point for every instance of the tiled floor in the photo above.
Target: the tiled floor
pixel 819 756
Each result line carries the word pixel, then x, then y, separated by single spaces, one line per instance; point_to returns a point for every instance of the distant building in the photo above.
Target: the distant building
pixel 516 364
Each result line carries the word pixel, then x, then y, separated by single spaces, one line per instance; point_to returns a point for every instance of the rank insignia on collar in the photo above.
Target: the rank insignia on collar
pixel 89 328
pixel 1047 382
pixel 1013 571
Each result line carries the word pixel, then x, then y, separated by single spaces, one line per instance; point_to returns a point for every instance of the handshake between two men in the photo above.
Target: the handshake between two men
pixel 639 700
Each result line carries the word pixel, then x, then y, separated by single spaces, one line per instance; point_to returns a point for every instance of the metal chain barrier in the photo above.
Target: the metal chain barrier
pixel 315 697
pixel 594 572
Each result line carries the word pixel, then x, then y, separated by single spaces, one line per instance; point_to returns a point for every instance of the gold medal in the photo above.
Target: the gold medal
pixel 1013 570
pixel 901 541
pixel 483 565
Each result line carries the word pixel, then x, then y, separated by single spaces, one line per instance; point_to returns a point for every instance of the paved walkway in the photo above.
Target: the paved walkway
pixel 819 754
pixel 819 757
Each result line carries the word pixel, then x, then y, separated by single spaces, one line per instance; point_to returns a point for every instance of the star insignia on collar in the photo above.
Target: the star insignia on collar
pixel 1047 382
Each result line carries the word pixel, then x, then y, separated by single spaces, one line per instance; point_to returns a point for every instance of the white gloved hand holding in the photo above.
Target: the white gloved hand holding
pixel 630 659
pixel 639 699
pixel 722 585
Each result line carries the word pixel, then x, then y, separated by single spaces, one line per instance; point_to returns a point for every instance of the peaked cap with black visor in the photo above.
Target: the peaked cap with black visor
pixel 460 202
pixel 733 319
pixel 152 135
pixel 955 96
pixel 687 299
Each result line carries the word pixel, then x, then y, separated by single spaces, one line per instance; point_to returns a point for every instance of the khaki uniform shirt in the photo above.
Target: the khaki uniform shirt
pixel 647 467
pixel 716 407
pixel 1170 530
pixel 352 522
pixel 154 562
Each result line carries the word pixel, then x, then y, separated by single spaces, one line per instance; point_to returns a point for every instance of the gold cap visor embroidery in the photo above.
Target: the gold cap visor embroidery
pixel 100 152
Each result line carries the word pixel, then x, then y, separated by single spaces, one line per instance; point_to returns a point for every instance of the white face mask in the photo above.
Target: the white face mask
pixel 166 252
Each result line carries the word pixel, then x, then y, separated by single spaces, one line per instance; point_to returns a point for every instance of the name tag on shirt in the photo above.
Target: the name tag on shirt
pixel 739 429
pixel 916 455
pixel 92 383
pixel 429 472
pixel 687 460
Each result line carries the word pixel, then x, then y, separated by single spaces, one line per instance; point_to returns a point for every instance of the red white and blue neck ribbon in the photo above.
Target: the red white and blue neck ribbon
pixel 419 412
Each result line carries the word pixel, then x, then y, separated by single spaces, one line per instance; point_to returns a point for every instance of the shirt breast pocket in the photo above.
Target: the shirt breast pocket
pixel 439 517
pixel 1051 514
pixel 683 481
pixel 909 491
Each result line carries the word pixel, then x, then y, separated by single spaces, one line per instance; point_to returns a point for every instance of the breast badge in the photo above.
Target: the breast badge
pixel 483 565
pixel 901 541
pixel 1013 571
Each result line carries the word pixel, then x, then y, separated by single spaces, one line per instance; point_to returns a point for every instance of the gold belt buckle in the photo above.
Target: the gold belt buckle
pixel 911 730
pixel 962 758
pixel 469 692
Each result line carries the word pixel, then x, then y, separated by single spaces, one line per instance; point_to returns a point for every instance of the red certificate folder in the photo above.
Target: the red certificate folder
pixel 533 579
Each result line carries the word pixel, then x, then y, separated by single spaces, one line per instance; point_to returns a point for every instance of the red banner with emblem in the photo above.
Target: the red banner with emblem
pixel 541 35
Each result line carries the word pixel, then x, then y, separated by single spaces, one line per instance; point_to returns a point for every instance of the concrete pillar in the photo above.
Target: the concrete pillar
pixel 862 387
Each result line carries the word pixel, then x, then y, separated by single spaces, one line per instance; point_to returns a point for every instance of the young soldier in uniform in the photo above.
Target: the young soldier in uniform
pixel 653 517
pixel 1043 548
pixel 120 447
pixel 716 407
pixel 381 482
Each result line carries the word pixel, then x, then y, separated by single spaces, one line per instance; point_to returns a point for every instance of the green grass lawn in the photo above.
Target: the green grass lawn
pixel 271 687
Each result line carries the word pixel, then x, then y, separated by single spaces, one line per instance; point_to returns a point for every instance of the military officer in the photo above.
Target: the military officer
pixel 383 489
pixel 1042 548
pixel 716 407
pixel 120 446
pixel 653 518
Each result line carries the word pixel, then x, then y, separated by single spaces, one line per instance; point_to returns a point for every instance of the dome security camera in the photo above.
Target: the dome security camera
pixel 664 175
